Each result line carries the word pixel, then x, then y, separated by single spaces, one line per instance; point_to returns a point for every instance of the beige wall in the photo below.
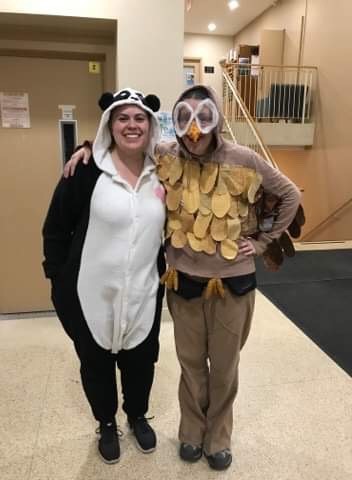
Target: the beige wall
pixel 324 171
pixel 149 57
pixel 210 48
pixel 145 43
pixel 31 165
pixel 109 75
pixel 286 15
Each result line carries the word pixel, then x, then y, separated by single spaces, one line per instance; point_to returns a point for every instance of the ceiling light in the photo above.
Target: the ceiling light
pixel 211 27
pixel 233 4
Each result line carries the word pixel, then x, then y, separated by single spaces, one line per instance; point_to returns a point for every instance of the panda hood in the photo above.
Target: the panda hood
pixel 108 102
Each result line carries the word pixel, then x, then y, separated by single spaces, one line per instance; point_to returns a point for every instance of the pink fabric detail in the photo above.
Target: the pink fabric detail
pixel 159 191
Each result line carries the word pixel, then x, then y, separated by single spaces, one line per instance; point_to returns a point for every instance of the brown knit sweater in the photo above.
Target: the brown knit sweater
pixel 203 265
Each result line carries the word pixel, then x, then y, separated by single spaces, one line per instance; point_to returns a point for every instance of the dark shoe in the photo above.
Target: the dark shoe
pixel 109 445
pixel 190 453
pixel 144 434
pixel 220 460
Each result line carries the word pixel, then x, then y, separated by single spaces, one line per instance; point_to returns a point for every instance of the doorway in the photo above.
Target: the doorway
pixel 191 72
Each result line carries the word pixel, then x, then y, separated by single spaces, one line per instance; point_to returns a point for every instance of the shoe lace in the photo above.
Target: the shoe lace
pixel 110 428
pixel 190 446
pixel 142 423
pixel 223 453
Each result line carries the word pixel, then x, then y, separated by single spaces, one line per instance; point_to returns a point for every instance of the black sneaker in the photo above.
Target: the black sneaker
pixel 144 434
pixel 190 453
pixel 109 445
pixel 220 460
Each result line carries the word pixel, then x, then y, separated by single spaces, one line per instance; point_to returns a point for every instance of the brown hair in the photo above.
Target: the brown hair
pixel 198 92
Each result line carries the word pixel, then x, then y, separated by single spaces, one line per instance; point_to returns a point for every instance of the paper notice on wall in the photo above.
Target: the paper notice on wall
pixel 167 129
pixel 14 108
pixel 255 61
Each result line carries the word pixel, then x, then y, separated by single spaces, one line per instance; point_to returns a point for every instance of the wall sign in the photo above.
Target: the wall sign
pixel 209 69
pixel 14 109
pixel 94 67
pixel 67 111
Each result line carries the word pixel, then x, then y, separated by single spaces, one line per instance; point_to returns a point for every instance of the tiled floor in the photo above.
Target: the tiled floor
pixel 293 415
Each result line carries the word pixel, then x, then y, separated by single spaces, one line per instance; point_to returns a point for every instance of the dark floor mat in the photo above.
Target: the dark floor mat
pixel 314 290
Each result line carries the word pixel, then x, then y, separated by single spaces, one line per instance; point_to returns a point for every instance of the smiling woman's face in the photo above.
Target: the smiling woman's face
pixel 130 128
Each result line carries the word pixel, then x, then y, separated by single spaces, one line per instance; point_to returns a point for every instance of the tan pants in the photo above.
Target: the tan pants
pixel 209 335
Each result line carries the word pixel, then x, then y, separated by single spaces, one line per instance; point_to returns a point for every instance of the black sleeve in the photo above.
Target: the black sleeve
pixel 86 143
pixel 65 211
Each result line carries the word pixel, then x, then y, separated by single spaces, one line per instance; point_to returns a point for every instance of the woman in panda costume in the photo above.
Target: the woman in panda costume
pixel 218 195
pixel 102 238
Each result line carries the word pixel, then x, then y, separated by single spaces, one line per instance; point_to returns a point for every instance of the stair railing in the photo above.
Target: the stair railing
pixel 239 121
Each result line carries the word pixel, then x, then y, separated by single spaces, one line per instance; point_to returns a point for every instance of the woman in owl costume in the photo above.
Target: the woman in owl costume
pixel 217 196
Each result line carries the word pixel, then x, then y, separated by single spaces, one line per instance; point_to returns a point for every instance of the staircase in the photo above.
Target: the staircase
pixel 242 128
pixel 279 99
pixel 239 122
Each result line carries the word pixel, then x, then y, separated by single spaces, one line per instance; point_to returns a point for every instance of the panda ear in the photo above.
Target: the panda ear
pixel 106 100
pixel 152 101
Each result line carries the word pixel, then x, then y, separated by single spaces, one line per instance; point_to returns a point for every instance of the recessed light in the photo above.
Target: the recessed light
pixel 211 27
pixel 233 4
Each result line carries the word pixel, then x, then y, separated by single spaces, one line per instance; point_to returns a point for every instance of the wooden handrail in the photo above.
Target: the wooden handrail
pixel 326 220
pixel 229 129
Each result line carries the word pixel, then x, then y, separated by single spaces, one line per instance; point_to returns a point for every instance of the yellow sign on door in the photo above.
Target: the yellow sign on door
pixel 94 67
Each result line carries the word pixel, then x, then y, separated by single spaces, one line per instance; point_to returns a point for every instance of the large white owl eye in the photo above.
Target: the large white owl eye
pixel 183 115
pixel 206 116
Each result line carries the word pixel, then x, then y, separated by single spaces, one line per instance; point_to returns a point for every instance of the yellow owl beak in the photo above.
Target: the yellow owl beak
pixel 193 132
